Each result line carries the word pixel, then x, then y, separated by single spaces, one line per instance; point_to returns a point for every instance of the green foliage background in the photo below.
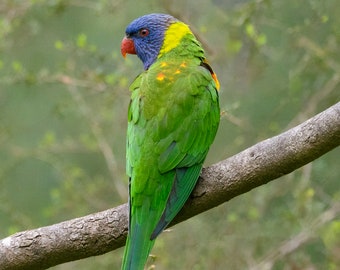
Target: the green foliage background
pixel 63 102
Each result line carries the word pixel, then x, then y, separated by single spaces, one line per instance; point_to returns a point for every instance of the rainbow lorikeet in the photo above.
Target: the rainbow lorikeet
pixel 173 117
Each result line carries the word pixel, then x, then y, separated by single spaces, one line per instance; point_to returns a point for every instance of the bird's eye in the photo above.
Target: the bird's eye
pixel 143 32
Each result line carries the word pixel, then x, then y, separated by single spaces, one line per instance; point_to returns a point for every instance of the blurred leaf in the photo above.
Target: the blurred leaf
pixel 59 45
pixel 331 235
pixel 81 40
pixel 49 139
pixel 234 46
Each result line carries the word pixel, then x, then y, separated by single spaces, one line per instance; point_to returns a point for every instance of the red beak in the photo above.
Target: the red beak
pixel 127 46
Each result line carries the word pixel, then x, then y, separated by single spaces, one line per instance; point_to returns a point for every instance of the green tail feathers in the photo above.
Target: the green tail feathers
pixel 144 227
pixel 137 249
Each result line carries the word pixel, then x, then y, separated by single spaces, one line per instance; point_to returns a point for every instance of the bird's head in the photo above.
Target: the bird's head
pixel 145 35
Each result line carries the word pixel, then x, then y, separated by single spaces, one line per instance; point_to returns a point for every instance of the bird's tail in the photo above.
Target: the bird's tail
pixel 137 249
pixel 138 243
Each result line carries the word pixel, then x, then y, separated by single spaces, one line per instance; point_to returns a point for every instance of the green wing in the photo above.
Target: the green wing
pixel 196 119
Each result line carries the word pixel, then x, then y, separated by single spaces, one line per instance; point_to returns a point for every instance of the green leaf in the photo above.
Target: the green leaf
pixel 59 45
pixel 17 66
pixel 81 40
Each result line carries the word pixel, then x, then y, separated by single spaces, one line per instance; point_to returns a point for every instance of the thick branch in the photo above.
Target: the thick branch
pixel 105 231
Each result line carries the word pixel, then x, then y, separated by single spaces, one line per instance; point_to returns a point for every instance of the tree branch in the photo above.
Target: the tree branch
pixel 105 231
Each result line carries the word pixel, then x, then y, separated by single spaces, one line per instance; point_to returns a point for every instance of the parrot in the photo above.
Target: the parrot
pixel 173 117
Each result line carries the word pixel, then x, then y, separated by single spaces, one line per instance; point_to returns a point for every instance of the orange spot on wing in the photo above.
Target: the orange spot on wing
pixel 160 76
pixel 177 71
pixel 183 64
pixel 164 64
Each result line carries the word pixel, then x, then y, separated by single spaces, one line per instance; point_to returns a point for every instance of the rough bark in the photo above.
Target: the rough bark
pixel 105 231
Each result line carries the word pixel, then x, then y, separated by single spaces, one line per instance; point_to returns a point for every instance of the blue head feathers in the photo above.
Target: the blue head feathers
pixel 147 34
